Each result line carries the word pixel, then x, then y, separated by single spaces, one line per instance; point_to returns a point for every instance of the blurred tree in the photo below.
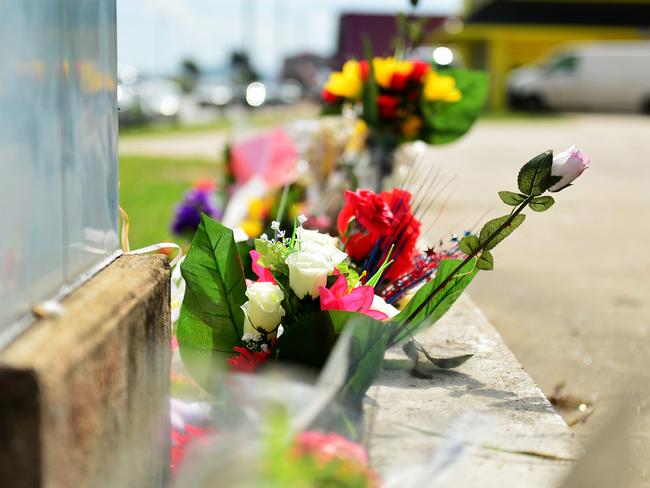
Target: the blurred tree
pixel 242 71
pixel 190 73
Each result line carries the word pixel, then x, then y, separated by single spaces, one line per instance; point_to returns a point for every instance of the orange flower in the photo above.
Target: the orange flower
pixel 411 126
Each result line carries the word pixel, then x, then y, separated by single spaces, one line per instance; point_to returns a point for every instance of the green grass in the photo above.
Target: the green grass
pixel 150 189
pixel 173 129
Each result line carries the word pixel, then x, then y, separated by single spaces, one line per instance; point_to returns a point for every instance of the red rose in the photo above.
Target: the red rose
pixel 329 97
pixel 399 81
pixel 420 68
pixel 387 106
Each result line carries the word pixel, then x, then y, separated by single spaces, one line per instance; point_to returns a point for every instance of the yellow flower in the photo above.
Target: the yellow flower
pixel 252 227
pixel 384 69
pixel 257 208
pixel 411 126
pixel 346 83
pixel 441 88
pixel 357 139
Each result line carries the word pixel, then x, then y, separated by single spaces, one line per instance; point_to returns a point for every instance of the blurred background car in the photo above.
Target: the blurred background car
pixel 604 76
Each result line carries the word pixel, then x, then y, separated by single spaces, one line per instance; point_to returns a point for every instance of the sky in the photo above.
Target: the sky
pixel 154 35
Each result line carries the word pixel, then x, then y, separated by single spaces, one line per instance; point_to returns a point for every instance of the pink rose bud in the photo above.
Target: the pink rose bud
pixel 569 165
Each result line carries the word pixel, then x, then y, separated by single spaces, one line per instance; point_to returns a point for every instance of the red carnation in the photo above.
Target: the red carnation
pixel 420 68
pixel 387 106
pixel 328 97
pixel 404 235
pixel 368 208
pixel 402 229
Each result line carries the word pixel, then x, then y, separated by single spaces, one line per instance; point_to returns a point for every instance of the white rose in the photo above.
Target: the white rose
pixel 307 272
pixel 380 305
pixel 325 244
pixel 263 310
pixel 569 165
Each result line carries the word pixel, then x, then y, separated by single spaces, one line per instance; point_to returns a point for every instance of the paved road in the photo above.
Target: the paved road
pixel 571 288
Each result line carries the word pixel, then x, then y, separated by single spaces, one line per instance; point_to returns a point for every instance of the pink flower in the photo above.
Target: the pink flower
pixel 264 274
pixel 359 299
pixel 568 165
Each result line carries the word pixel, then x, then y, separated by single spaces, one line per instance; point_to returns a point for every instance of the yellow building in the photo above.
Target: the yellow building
pixel 499 35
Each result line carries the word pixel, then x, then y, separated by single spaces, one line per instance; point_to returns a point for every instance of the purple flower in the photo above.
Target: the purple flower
pixel 188 213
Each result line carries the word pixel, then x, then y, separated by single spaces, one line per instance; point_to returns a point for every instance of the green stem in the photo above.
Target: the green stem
pixel 471 256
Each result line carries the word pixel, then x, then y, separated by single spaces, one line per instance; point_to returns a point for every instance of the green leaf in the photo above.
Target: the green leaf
pixel 511 198
pixel 416 352
pixel 309 341
pixel 533 178
pixel 211 320
pixel 446 122
pixel 540 204
pixel 370 89
pixel 485 261
pixel 469 244
pixel 439 304
pixel 273 255
pixel 491 227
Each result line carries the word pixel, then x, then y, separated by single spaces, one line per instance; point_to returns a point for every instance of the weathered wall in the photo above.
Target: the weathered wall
pixel 83 397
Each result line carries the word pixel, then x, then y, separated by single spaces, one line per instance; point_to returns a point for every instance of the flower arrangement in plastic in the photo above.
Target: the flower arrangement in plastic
pixel 311 287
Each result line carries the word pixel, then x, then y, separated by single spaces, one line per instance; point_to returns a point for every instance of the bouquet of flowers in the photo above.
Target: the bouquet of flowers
pixel 403 100
pixel 311 287
pixel 394 94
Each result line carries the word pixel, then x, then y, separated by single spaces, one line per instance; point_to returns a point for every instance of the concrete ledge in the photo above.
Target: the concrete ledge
pixel 511 434
pixel 84 396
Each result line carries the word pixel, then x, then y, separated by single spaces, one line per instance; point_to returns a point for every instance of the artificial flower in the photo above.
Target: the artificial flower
pixel 317 242
pixel 252 227
pixel 264 274
pixel 569 165
pixel 368 208
pixel 420 69
pixel 200 199
pixel 399 81
pixel 379 305
pixel 404 235
pixel 411 126
pixel 181 439
pixel 402 232
pixel 246 361
pixel 263 309
pixel 387 105
pixel 346 83
pixel 359 299
pixel 308 272
pixel 330 446
pixel 440 88
pixel 385 68
pixel 328 97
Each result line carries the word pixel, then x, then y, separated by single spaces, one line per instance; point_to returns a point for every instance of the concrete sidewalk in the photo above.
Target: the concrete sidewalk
pixel 487 421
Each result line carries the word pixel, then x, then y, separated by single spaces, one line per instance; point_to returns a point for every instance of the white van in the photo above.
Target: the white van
pixel 605 76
